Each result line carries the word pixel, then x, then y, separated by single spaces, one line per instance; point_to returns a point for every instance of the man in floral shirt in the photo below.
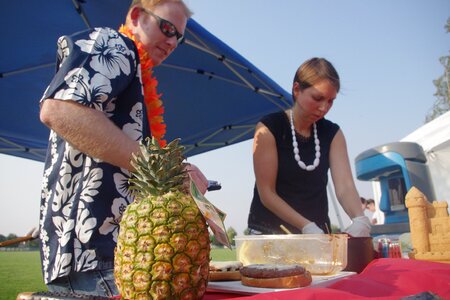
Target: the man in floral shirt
pixel 95 109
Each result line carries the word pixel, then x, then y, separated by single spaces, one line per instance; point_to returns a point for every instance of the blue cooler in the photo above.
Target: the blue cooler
pixel 398 167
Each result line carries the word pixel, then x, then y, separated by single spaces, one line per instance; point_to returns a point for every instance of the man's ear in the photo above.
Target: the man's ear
pixel 135 12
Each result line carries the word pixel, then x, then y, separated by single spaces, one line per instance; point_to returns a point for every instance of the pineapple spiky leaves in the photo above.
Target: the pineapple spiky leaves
pixel 163 246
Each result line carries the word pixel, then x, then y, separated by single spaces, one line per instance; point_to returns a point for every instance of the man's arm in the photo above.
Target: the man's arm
pixel 89 131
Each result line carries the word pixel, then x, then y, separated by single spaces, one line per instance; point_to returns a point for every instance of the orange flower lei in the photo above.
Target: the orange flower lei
pixel 153 103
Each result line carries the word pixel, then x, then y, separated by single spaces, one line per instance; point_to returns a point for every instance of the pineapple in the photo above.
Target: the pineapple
pixel 163 248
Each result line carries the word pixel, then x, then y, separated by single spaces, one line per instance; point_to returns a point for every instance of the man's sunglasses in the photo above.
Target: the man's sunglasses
pixel 166 27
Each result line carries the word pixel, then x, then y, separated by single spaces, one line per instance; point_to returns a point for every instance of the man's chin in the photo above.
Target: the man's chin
pixel 157 60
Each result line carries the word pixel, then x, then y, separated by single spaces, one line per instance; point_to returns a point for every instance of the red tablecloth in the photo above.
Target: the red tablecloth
pixel 384 278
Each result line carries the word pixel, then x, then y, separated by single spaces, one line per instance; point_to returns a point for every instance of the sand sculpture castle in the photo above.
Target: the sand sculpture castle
pixel 429 226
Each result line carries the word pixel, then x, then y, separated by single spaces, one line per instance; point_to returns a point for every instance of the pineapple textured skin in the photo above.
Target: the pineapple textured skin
pixel 163 247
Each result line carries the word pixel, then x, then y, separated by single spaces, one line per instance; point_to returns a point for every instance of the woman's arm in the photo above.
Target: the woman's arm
pixel 265 165
pixel 89 131
pixel 341 174
pixel 345 188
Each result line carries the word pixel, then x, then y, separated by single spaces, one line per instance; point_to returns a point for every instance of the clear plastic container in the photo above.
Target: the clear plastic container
pixel 320 254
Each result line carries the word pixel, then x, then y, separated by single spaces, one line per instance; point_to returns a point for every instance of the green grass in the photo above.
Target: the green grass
pixel 222 254
pixel 21 271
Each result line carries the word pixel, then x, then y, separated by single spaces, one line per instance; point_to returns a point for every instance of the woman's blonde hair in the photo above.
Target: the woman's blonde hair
pixel 315 70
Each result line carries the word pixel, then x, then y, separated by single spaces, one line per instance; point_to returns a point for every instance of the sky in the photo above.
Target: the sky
pixel 387 55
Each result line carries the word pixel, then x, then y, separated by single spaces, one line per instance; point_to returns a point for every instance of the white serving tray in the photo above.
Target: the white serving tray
pixel 236 287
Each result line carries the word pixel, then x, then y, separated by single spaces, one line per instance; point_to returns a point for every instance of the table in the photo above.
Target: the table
pixel 383 278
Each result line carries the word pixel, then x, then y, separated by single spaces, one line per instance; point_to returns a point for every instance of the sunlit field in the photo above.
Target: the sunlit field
pixel 20 271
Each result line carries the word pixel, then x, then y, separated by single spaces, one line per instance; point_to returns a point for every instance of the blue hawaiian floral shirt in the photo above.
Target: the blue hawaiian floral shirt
pixel 83 197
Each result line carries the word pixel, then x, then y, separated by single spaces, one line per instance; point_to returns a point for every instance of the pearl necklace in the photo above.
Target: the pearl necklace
pixel 301 164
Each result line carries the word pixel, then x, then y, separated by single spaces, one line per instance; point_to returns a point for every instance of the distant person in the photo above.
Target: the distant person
pixel 100 104
pixel 370 210
pixel 363 203
pixel 293 151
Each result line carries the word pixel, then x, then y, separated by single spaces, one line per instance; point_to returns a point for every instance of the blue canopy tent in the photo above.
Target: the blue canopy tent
pixel 213 97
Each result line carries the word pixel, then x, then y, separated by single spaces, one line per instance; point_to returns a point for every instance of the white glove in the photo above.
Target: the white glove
pixel 311 228
pixel 360 227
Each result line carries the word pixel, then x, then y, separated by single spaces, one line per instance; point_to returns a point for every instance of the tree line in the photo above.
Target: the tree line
pixel 442 84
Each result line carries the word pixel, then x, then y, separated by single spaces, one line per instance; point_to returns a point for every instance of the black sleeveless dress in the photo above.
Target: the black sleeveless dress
pixel 305 191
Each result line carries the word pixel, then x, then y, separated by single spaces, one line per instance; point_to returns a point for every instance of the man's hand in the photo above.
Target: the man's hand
pixel 197 176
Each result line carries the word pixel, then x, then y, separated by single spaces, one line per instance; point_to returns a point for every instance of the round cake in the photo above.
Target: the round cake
pixel 275 276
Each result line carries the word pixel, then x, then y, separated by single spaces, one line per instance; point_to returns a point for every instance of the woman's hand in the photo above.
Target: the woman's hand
pixel 311 228
pixel 360 227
